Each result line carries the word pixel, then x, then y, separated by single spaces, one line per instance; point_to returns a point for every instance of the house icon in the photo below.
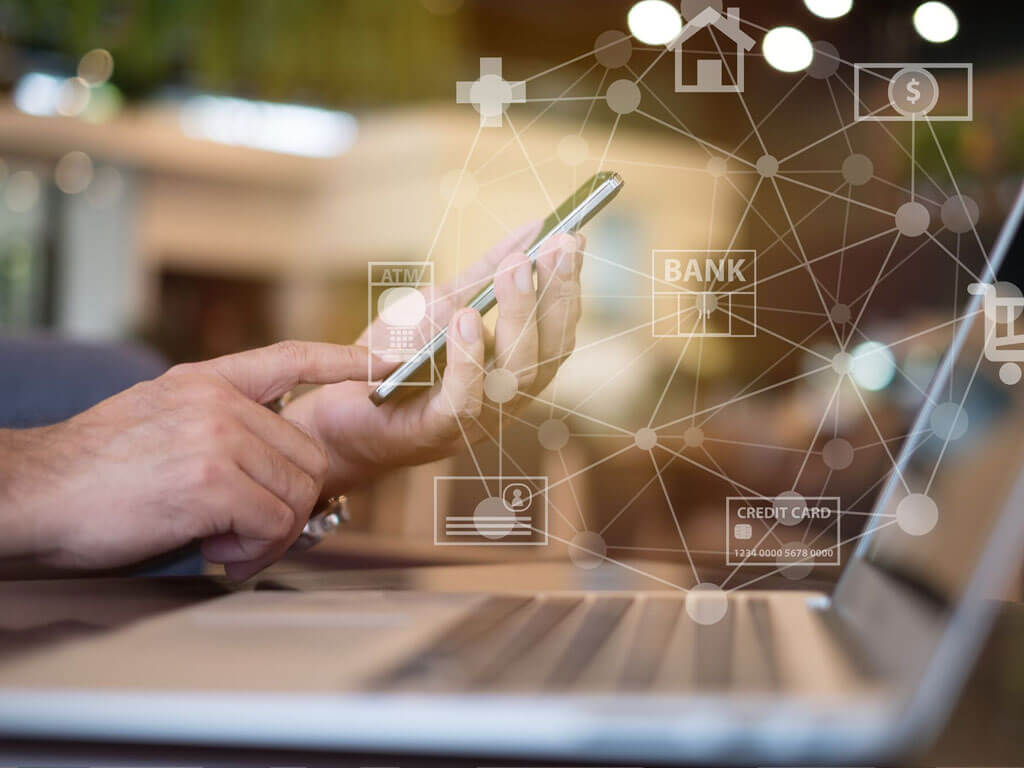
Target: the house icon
pixel 709 66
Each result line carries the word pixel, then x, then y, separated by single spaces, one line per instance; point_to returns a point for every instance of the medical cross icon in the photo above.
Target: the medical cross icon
pixel 491 94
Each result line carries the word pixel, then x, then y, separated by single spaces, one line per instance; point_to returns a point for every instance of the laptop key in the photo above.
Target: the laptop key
pixel 651 639
pixel 603 615
pixel 546 614
pixel 713 651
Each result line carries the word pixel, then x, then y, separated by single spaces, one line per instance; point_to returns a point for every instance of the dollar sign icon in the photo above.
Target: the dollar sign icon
pixel 913 91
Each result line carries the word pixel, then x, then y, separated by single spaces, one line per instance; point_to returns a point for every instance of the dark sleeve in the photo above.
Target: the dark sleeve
pixel 44 379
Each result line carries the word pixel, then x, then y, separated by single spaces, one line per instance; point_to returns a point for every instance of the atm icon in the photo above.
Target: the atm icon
pixel 703 293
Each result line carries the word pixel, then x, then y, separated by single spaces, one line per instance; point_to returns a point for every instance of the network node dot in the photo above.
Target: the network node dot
pixel 613 48
pixel 837 453
pixel 767 166
pixel 825 62
pixel 572 150
pixel 841 362
pixel 706 303
pixel 623 96
pixel 691 8
pixel 795 562
pixel 459 188
pixel 500 385
pixel 912 219
pixel 948 421
pixel 491 519
pixel 693 437
pixel 790 507
pixel 716 167
pixel 858 169
pixel 553 434
pixel 587 550
pixel 706 603
pixel 646 439
pixel 917 514
pixel 840 313
pixel 959 214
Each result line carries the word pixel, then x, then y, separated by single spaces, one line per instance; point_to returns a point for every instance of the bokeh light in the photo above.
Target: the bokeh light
pixel 829 9
pixel 654 22
pixel 787 49
pixel 936 22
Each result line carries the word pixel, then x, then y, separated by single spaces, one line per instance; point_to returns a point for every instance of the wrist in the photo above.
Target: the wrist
pixel 27 483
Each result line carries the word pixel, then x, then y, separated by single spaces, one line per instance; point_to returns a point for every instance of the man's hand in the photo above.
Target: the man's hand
pixel 535 332
pixel 189 455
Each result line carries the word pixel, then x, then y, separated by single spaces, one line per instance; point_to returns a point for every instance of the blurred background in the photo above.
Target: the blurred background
pixel 205 176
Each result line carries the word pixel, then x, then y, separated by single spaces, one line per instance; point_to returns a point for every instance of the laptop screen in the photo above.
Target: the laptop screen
pixel 965 451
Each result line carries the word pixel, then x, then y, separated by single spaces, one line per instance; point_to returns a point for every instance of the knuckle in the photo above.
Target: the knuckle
pixel 279 519
pixel 291 350
pixel 208 471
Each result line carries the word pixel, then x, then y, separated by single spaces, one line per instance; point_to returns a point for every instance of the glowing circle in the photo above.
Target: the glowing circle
pixel 402 306
pixel 706 603
pixel 654 22
pixel 787 49
pixel 829 9
pixel 936 22
pixel 917 514
pixel 587 550
pixel 872 366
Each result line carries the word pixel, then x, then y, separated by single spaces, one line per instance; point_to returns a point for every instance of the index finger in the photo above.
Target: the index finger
pixel 266 373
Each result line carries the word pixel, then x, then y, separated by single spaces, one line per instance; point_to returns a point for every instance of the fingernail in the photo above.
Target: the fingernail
pixel 523 277
pixel 469 327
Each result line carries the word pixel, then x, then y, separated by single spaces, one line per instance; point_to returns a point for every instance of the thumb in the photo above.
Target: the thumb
pixel 266 373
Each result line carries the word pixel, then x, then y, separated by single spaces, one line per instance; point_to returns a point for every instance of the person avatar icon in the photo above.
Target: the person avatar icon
pixel 517 497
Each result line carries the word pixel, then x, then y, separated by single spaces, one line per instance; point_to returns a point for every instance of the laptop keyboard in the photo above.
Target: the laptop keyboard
pixel 595 643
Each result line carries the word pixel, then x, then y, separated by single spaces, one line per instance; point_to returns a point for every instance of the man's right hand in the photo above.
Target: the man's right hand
pixel 189 455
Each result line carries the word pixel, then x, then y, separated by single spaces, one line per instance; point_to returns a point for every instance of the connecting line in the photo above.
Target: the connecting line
pixel 891 272
pixel 572 490
pixel 771 112
pixel 788 565
pixel 448 207
pixel 901 372
pixel 721 476
pixel 803 255
pixel 739 93
pixel 839 113
pixel 956 188
pixel 664 106
pixel 842 251
pixel 741 563
pixel 817 432
pixel 672 376
pixel 516 172
pixel 913 153
pixel 606 381
pixel 628 504
pixel 675 519
pixel 573 61
pixel 590 466
pixel 699 140
pixel 841 130
pixel 738 398
pixel 821 191
pixel 954 257
pixel 892 185
pixel 539 115
pixel 990 332
pixel 606 558
pixel 522 472
pixel 607 144
pixel 885 445
pixel 734 487
pixel 896 141
pixel 590 107
pixel 533 168
pixel 763 373
pixel 871 292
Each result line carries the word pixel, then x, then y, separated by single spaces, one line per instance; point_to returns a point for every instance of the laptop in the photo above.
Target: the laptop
pixel 630 675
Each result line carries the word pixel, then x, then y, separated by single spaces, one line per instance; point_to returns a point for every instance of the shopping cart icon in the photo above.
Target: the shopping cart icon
pixel 1000 339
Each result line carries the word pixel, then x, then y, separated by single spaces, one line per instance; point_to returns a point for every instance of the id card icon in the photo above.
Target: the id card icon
pixel 507 510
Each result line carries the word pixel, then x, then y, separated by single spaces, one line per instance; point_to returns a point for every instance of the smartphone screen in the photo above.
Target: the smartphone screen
pixel 572 214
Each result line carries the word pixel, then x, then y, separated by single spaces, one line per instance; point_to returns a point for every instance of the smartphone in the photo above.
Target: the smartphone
pixel 576 211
